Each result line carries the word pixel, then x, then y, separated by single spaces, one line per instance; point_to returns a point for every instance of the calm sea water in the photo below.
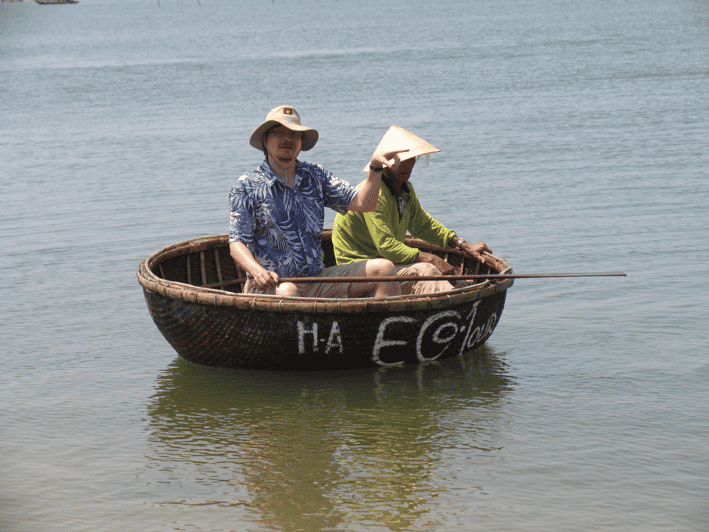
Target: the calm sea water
pixel 574 138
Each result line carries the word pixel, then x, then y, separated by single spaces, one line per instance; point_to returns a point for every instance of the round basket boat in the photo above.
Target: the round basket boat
pixel 193 290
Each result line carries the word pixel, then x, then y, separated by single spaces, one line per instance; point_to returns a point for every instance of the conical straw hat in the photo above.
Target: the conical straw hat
pixel 398 138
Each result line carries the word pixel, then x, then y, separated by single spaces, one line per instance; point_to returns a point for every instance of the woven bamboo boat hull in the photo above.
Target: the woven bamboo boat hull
pixel 191 296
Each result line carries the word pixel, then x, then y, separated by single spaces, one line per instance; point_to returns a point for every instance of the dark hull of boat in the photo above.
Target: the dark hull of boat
pixel 225 329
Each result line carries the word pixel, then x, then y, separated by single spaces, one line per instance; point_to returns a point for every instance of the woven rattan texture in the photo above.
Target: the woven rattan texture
pixel 195 304
pixel 235 338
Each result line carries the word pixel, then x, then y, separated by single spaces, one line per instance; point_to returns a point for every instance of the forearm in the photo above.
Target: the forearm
pixel 368 190
pixel 442 265
pixel 454 242
pixel 397 252
pixel 476 250
pixel 263 278
pixel 367 193
pixel 243 257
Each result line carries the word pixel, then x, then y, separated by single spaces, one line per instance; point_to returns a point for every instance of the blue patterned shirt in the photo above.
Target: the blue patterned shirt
pixel 282 227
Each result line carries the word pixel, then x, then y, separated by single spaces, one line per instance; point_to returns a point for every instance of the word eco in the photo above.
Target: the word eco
pixel 430 340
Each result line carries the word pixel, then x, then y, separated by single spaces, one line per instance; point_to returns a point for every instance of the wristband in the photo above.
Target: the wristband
pixel 375 169
pixel 460 243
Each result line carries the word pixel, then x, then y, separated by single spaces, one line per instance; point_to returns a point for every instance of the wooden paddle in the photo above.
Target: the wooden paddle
pixel 405 278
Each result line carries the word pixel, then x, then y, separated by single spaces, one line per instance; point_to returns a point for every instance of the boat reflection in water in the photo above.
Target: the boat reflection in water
pixel 316 450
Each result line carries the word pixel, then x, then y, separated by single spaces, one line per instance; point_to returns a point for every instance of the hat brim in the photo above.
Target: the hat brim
pixel 309 137
pixel 398 138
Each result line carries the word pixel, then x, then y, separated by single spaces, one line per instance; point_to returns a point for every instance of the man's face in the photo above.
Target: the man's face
pixel 282 144
pixel 402 172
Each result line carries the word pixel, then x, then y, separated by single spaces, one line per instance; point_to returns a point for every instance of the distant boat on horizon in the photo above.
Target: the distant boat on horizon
pixel 57 1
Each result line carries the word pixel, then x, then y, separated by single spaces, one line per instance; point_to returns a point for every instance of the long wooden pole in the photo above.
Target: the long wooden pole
pixel 405 278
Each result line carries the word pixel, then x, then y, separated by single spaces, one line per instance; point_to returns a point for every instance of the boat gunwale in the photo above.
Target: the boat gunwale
pixel 190 293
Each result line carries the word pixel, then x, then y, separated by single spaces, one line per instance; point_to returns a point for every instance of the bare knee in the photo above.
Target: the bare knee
pixel 287 289
pixel 379 267
pixel 383 267
pixel 426 268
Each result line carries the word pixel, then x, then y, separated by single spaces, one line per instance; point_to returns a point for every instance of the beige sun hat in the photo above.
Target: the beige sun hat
pixel 287 116
pixel 398 138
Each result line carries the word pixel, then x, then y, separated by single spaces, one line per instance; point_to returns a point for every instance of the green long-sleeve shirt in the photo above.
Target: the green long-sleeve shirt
pixel 381 233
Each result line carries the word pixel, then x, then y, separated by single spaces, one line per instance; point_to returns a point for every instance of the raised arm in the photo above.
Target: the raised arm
pixel 368 190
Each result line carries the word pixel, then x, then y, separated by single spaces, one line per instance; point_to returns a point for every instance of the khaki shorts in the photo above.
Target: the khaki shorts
pixel 422 287
pixel 339 290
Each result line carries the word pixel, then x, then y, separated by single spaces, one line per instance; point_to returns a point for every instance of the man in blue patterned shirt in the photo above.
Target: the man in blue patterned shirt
pixel 278 209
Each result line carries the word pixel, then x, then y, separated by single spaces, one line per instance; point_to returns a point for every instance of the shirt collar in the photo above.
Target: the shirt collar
pixel 386 179
pixel 271 175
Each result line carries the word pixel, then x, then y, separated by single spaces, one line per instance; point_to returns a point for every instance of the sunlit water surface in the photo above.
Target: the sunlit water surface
pixel 574 139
